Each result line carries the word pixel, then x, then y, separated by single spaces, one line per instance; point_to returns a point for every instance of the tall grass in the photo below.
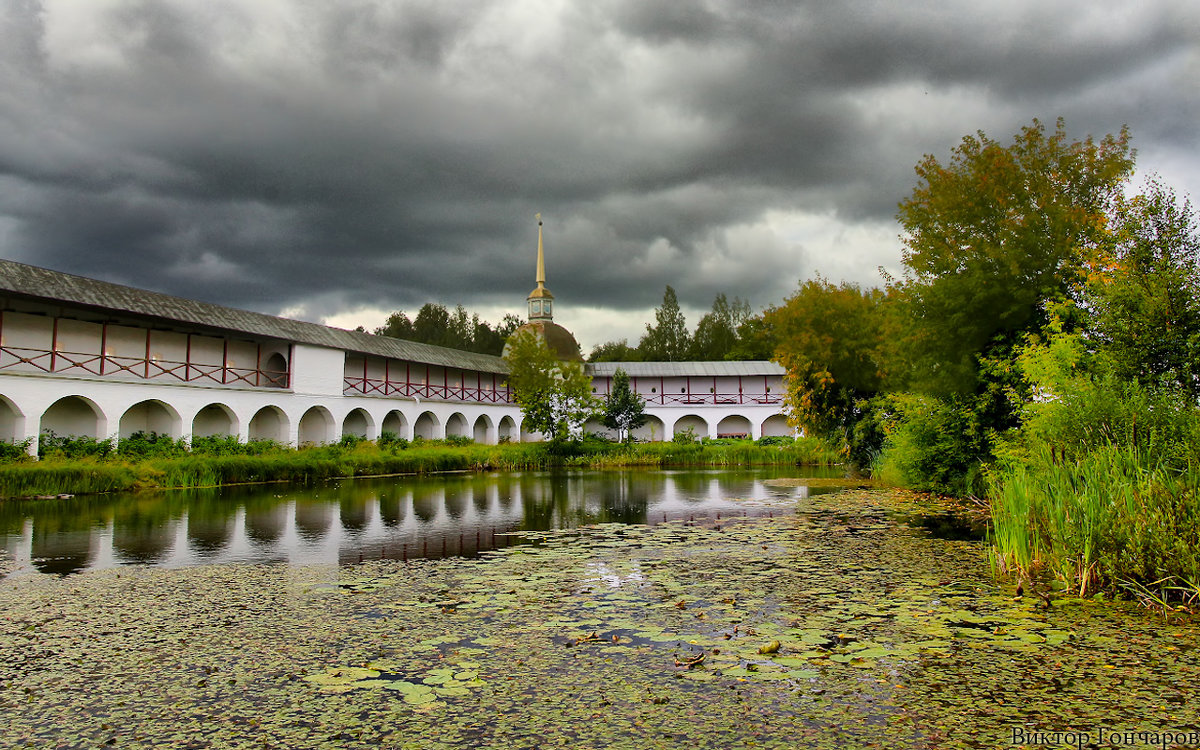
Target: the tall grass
pixel 154 463
pixel 1110 519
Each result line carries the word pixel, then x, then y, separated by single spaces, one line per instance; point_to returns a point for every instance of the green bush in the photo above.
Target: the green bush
pixel 13 451
pixel 932 446
pixel 150 445
pixel 72 446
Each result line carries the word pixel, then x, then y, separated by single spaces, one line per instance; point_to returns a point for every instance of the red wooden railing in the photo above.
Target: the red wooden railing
pixel 108 365
pixel 380 387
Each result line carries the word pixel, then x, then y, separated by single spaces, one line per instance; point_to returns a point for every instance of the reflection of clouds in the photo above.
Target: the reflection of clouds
pixel 409 519
pixel 602 573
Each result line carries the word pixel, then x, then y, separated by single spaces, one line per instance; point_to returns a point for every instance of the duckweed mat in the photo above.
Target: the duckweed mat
pixel 839 622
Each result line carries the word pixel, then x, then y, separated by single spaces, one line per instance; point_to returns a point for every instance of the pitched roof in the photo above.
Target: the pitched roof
pixel 44 284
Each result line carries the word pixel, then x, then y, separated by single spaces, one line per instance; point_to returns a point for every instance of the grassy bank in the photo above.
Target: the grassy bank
pixel 174 466
pixel 1107 521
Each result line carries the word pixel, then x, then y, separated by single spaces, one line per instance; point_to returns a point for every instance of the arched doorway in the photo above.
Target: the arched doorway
pixel 456 426
pixel 316 427
pixel 426 426
pixel 777 426
pixel 482 429
pixel 654 430
pixel 734 426
pixel 505 431
pixel 214 420
pixel 696 424
pixel 269 423
pixel 12 421
pixel 275 372
pixel 357 424
pixel 395 424
pixel 73 416
pixel 149 417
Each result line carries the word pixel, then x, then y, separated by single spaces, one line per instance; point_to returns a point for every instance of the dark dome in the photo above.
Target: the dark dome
pixel 561 341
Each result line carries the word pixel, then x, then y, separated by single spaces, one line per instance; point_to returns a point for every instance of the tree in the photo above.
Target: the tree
pixel 830 343
pixel 667 340
pixel 994 234
pixel 398 326
pixel 624 410
pixel 717 332
pixel 555 396
pixel 615 351
pixel 1146 301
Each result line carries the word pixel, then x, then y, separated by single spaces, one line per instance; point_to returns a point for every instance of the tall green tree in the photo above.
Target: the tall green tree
pixel 830 341
pixel 624 410
pixel 555 396
pixel 993 234
pixel 667 340
pixel 615 351
pixel 1146 301
pixel 717 332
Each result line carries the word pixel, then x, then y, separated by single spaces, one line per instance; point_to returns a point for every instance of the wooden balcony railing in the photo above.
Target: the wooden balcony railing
pixel 24 359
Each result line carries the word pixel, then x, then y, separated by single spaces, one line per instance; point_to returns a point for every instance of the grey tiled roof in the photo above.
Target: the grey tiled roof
pixel 685 369
pixel 44 284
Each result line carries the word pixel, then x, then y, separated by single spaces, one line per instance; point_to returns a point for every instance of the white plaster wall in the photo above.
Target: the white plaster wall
pixel 317 371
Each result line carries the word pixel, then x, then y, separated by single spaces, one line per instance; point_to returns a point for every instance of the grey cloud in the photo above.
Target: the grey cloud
pixel 390 152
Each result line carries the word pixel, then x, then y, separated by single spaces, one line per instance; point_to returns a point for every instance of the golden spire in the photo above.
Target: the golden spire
pixel 540 299
pixel 541 266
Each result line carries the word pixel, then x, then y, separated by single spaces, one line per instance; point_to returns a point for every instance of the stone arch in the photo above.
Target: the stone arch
pixel 734 425
pixel 74 416
pixel 315 427
pixel 482 429
pixel 358 423
pixel 527 435
pixel 12 421
pixel 275 371
pixel 653 430
pixel 396 424
pixel 269 423
pixel 214 420
pixel 693 421
pixel 504 432
pixel 457 426
pixel 427 426
pixel 149 416
pixel 776 426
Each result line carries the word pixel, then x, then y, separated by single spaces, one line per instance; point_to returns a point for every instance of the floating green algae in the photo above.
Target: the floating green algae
pixel 832 624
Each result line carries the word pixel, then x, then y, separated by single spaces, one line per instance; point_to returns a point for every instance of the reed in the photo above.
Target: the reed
pixel 223 462
pixel 1106 521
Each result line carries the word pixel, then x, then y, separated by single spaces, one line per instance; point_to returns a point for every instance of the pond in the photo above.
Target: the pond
pixel 864 618
pixel 396 518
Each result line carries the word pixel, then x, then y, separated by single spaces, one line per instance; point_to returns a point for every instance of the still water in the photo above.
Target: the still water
pixel 348 521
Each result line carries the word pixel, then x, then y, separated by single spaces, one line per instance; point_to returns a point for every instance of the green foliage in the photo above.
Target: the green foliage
pixel 994 234
pixel 434 324
pixel 1147 302
pixel 1107 518
pixel 15 450
pixel 615 351
pixel 717 332
pixel 830 340
pixel 686 436
pixel 932 445
pixel 555 396
pixel 391 441
pixel 72 446
pixel 667 340
pixel 624 410
pixel 150 444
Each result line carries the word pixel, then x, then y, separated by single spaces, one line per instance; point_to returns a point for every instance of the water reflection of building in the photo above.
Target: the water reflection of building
pixel 367 518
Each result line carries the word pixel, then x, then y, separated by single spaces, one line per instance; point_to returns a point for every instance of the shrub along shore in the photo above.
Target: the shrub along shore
pixel 82 466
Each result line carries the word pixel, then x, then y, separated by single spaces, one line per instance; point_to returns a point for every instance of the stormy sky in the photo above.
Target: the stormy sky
pixel 338 160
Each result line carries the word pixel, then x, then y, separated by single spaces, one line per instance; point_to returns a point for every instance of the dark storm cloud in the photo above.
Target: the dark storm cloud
pixel 294 155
